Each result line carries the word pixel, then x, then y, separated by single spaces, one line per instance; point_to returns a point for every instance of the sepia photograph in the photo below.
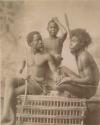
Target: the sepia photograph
pixel 49 62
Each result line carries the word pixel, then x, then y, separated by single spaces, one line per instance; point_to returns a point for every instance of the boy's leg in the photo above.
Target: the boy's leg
pixel 34 87
pixel 9 98
pixel 72 89
pixel 20 90
pixel 13 113
pixel 9 93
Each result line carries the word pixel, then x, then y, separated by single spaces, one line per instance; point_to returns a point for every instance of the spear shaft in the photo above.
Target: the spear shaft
pixel 68 27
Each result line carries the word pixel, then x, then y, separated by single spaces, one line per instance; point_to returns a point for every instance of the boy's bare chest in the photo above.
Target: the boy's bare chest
pixel 39 61
pixel 52 44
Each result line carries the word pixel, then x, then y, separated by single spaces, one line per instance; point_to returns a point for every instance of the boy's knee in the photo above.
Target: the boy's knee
pixel 63 67
pixel 10 82
pixel 59 88
pixel 34 87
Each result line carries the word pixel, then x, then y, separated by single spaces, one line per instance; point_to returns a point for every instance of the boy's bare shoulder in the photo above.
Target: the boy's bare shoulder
pixel 49 39
pixel 63 37
pixel 58 38
pixel 45 39
pixel 85 55
pixel 86 58
pixel 48 56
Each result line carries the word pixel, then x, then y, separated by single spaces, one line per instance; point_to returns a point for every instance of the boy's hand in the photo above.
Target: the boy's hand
pixel 20 71
pixel 56 20
pixel 27 77
pixel 57 77
pixel 58 57
pixel 65 80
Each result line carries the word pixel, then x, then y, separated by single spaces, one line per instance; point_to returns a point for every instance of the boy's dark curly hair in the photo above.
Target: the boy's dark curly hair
pixel 30 37
pixel 82 35
pixel 52 21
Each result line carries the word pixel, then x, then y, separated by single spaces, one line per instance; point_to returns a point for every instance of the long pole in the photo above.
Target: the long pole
pixel 67 24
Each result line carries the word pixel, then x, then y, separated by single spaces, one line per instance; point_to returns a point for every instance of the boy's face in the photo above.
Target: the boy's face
pixel 37 43
pixel 75 44
pixel 52 29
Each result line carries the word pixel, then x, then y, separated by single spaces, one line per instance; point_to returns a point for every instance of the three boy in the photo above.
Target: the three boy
pixel 47 53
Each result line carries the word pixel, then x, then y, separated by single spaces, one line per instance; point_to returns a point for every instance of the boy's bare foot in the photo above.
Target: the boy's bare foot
pixel 54 93
pixel 7 121
pixel 4 119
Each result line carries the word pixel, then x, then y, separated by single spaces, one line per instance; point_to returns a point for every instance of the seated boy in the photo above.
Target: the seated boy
pixel 85 84
pixel 36 81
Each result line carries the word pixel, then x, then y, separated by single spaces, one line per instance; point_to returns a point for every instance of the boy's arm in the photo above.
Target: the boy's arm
pixel 67 72
pixel 87 69
pixel 62 28
pixel 85 79
pixel 88 73
pixel 23 66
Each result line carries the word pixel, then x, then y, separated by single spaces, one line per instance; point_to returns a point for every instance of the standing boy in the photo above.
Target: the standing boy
pixel 54 44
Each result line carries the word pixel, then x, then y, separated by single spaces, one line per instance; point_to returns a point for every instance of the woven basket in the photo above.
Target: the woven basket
pixel 50 110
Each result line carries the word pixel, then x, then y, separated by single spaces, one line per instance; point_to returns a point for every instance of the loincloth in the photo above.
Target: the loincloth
pixel 34 87
pixel 39 87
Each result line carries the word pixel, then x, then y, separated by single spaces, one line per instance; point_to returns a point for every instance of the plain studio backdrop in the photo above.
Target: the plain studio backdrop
pixel 34 15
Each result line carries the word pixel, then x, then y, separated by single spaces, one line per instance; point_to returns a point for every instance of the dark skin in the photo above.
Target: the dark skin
pixel 87 68
pixel 16 86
